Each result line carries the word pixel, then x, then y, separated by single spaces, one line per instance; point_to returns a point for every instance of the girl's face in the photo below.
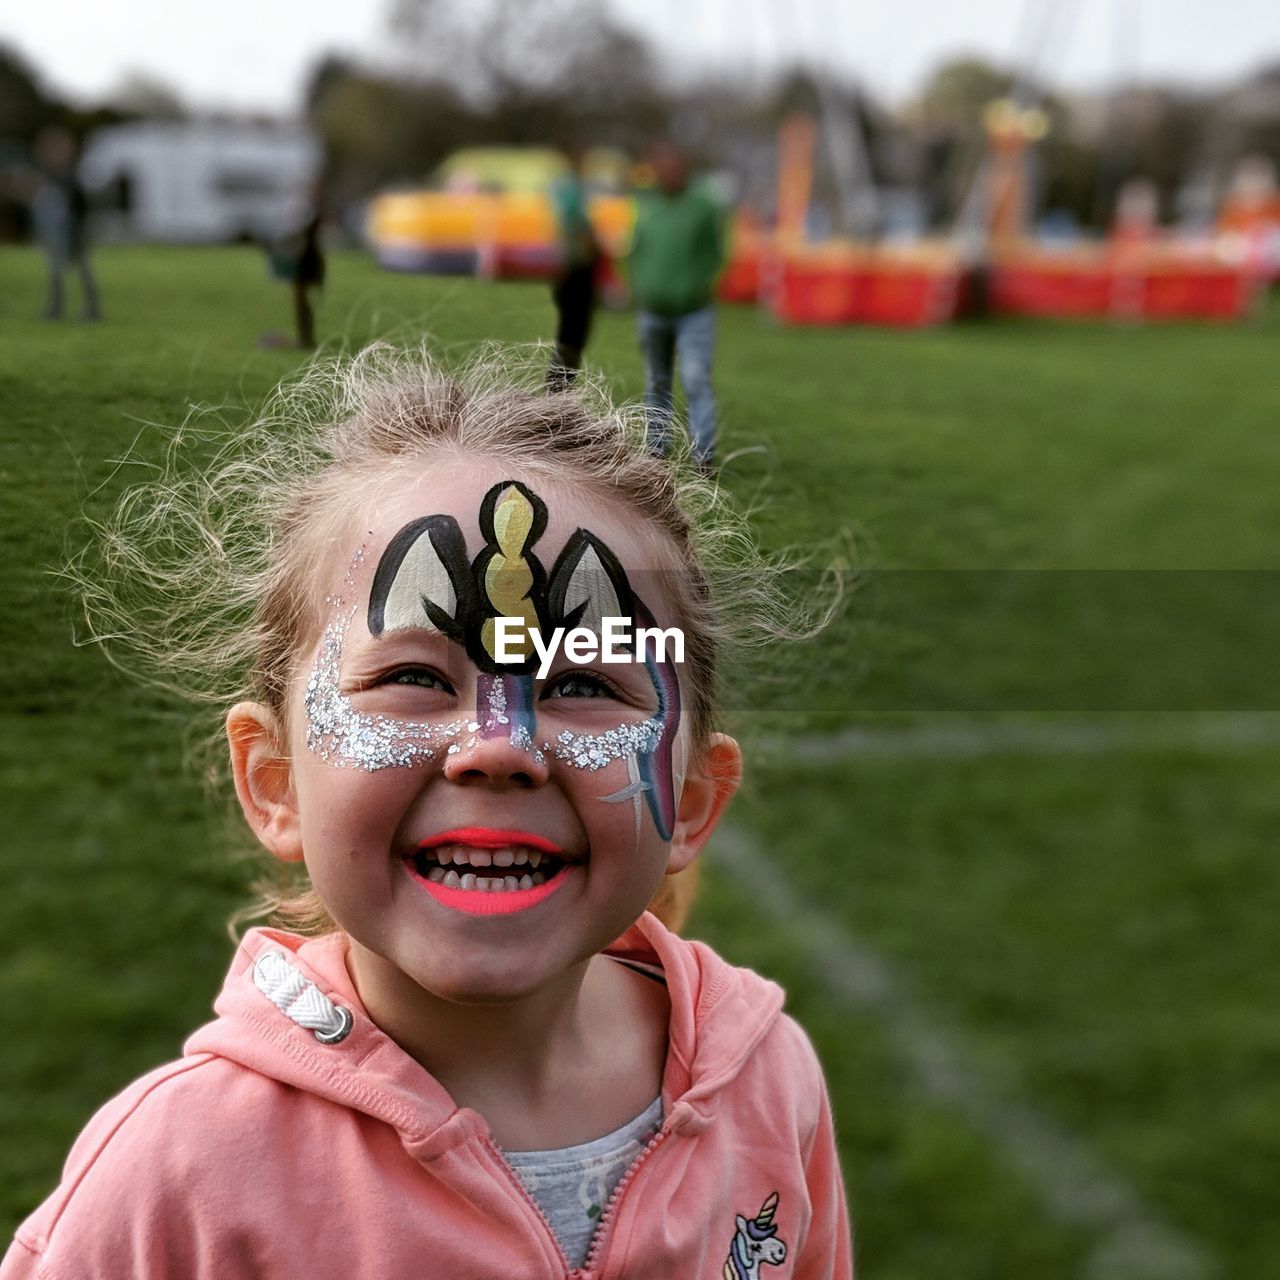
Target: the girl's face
pixel 479 826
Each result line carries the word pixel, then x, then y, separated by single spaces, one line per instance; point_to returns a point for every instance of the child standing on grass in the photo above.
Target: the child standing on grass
pixel 476 1054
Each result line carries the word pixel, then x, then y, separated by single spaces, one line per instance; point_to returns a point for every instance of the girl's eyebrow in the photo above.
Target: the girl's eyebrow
pixel 407 638
pixel 411 630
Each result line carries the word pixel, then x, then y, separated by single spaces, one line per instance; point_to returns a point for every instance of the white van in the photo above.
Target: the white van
pixel 198 182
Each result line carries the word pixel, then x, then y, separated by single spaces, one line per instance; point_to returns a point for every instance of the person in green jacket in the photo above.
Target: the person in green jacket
pixel 676 253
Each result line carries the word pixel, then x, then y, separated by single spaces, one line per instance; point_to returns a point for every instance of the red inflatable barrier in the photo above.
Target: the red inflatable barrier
pixel 1058 289
pixel 1137 287
pixel 740 280
pixel 907 296
pixel 815 292
pixel 1211 293
pixel 864 290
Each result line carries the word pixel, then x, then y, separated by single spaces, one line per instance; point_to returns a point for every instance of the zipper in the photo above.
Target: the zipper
pixel 514 1178
pixel 602 1227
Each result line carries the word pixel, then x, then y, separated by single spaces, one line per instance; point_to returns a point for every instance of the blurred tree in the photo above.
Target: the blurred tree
pixel 491 72
pixel 1069 175
pixel 331 70
pixel 1249 120
pixel 948 118
pixel 796 90
pixel 959 92
pixel 949 121
pixel 143 96
pixel 1157 132
pixel 25 109
pixel 538 69
pixel 378 130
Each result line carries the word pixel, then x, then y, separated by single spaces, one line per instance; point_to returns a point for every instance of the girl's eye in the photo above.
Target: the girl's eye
pixel 579 684
pixel 419 678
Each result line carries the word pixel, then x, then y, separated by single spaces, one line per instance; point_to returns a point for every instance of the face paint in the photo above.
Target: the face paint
pixel 512 519
pixel 633 792
pixel 504 706
pixel 346 738
pixel 596 750
pixel 424 580
pixel 655 764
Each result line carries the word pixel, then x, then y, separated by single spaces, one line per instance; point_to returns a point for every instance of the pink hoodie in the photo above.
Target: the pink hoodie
pixel 266 1153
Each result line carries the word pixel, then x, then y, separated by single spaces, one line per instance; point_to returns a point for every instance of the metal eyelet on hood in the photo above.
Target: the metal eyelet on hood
pixel 299 999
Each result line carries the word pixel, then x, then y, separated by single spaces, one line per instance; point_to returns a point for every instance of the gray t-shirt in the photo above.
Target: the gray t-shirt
pixel 573 1184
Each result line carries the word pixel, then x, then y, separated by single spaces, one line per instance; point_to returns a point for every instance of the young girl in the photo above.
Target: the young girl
pixel 484 1057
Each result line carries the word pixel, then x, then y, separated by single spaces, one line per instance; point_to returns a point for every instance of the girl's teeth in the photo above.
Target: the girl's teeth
pixel 468 880
pixel 466 856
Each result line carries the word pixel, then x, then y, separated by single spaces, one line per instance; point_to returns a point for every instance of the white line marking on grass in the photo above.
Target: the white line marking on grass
pixel 1196 731
pixel 1075 1188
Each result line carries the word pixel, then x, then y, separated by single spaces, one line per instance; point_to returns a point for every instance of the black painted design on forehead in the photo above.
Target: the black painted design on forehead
pixel 424 566
pixel 424 579
pixel 588 584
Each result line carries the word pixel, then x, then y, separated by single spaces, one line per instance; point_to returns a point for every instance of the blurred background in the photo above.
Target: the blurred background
pixel 199 130
pixel 998 343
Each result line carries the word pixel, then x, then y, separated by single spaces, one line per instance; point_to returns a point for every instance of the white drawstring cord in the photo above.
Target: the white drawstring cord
pixel 299 999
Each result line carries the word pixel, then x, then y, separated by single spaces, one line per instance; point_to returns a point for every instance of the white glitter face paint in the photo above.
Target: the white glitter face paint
pixel 598 750
pixel 498 703
pixel 349 739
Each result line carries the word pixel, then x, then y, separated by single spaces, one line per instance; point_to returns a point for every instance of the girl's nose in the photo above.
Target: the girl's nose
pixel 496 761
pixel 500 751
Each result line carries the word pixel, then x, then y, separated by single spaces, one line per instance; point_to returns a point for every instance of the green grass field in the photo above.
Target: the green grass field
pixel 1030 924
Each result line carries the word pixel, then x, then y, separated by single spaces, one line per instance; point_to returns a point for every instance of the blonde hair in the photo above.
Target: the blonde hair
pixel 207 573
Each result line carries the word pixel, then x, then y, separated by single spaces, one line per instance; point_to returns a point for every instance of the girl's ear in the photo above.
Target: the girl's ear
pixel 708 787
pixel 264 778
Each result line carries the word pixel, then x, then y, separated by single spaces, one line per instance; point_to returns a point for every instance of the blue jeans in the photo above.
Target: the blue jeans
pixel 689 339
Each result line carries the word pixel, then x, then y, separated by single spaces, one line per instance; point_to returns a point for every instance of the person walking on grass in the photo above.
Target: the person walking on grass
pixel 574 292
pixel 60 212
pixel 296 256
pixel 676 253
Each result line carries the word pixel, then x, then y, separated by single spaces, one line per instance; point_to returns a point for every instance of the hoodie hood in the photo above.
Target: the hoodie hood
pixel 289 1011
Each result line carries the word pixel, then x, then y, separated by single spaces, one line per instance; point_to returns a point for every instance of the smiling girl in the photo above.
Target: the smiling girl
pixel 482 1056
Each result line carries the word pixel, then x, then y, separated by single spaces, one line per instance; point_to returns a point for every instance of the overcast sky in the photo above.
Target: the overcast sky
pixel 254 54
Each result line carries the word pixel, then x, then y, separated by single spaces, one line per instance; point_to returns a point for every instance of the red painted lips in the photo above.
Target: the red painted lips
pixel 481 901
pixel 491 838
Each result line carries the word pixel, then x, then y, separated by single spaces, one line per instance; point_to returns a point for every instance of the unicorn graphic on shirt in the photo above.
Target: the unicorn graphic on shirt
pixel 754 1243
